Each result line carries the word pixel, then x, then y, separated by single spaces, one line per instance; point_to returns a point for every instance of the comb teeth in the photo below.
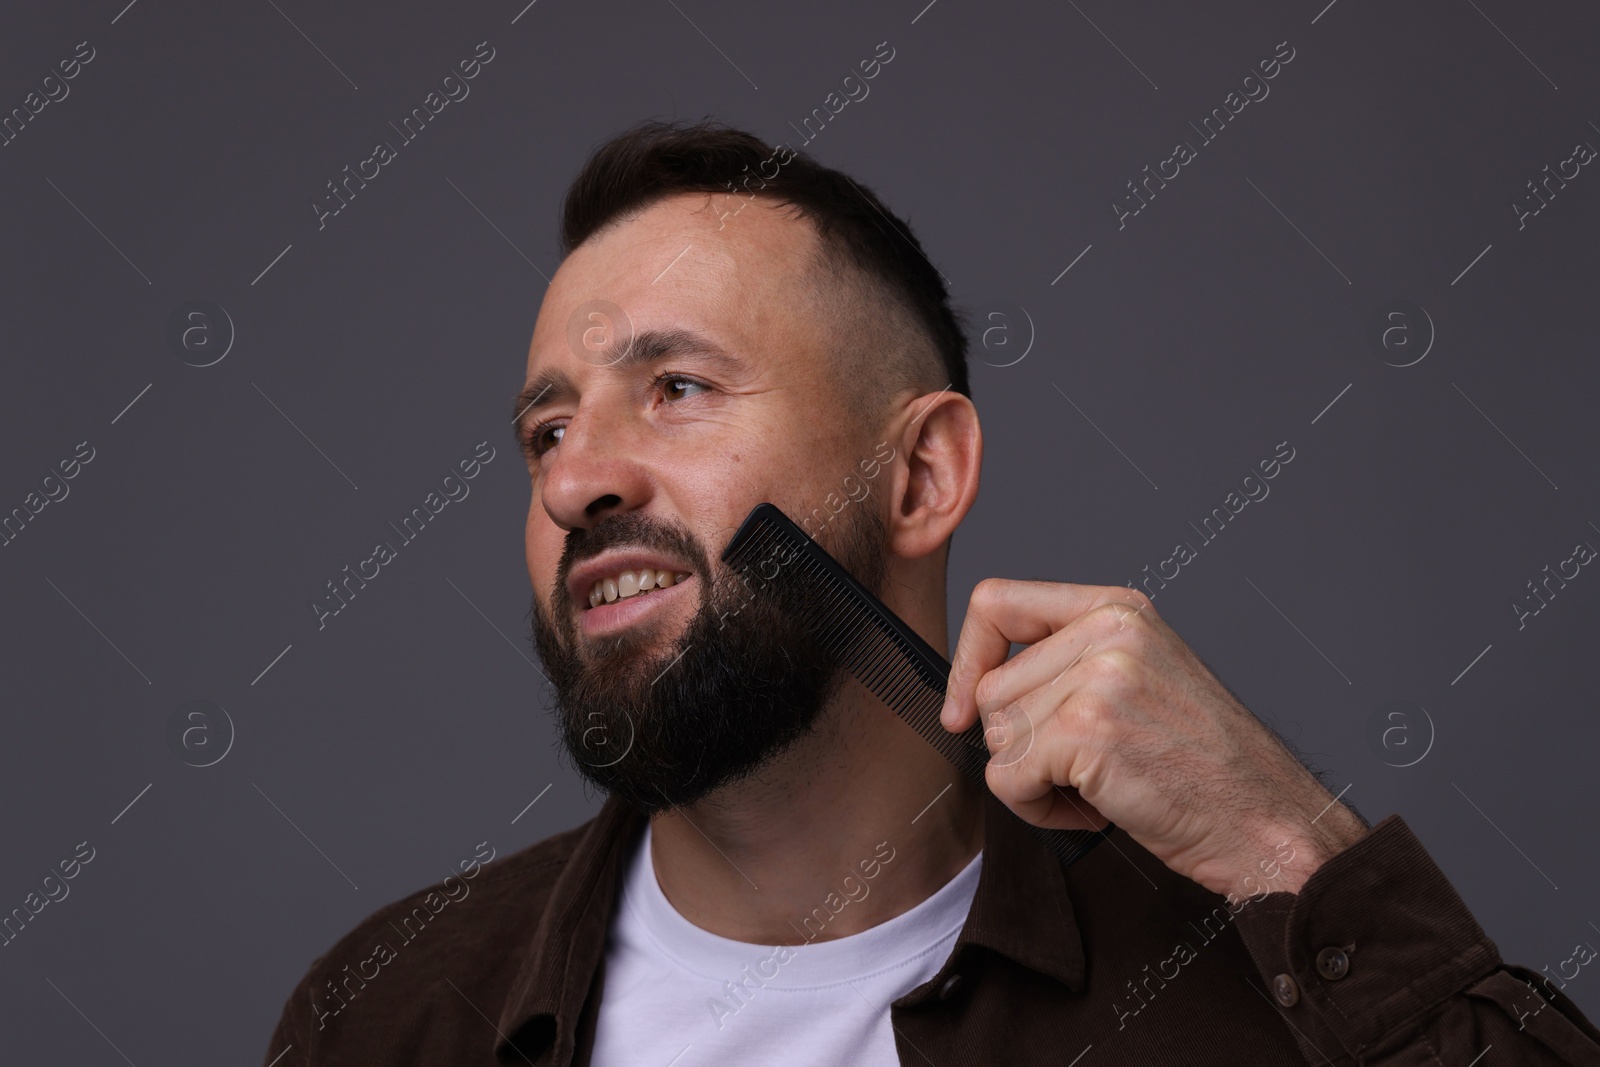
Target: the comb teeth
pixel 874 644
pixel 863 637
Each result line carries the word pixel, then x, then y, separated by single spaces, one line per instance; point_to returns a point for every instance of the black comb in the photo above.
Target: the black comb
pixel 875 646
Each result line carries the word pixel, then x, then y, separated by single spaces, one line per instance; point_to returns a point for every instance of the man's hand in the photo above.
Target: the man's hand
pixel 1109 715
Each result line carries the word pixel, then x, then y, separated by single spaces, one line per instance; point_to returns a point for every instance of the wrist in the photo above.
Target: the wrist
pixel 1307 846
pixel 1282 856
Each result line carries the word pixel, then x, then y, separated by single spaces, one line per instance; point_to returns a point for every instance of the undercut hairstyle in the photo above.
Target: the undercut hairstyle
pixel 893 324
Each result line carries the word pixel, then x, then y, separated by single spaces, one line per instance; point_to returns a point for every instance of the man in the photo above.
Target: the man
pixel 783 871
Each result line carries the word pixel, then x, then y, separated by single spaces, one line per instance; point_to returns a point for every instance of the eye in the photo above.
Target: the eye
pixel 542 438
pixel 546 435
pixel 670 384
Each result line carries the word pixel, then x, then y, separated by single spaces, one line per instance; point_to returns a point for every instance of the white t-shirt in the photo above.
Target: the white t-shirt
pixel 678 995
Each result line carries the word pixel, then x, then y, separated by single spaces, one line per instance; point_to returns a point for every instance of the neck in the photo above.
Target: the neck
pixel 858 822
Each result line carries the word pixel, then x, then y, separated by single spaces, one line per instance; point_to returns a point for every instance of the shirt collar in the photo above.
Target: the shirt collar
pixel 558 965
pixel 1021 910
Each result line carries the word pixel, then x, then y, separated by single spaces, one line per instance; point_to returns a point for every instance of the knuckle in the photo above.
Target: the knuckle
pixel 1126 605
pixel 1140 601
pixel 999 777
pixel 1109 616
pixel 1080 715
pixel 1089 722
pixel 989 592
pixel 1119 667
pixel 986 690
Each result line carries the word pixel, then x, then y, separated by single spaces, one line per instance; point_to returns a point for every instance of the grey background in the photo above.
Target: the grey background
pixel 1175 353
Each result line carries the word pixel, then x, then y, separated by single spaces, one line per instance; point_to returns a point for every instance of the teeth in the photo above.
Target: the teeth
pixel 632 583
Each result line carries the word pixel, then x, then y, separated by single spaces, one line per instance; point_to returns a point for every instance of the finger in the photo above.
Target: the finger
pixel 1054 807
pixel 1010 731
pixel 1052 665
pixel 1002 611
pixel 1031 775
pixel 1041 666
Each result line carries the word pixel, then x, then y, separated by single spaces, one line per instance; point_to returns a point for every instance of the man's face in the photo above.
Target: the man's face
pixel 678 376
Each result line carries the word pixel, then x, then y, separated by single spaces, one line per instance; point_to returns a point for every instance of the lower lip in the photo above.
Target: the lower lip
pixel 610 616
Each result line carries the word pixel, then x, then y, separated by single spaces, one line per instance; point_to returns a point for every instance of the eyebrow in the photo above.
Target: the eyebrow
pixel 651 346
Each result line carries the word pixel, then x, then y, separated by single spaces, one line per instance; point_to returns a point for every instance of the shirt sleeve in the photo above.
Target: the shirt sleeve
pixel 1377 960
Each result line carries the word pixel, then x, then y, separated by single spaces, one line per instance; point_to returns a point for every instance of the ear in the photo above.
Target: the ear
pixel 942 445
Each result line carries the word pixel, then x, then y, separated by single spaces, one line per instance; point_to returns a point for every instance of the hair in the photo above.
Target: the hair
pixel 870 267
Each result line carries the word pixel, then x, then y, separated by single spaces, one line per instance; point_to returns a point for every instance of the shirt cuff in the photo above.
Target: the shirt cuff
pixel 1375 939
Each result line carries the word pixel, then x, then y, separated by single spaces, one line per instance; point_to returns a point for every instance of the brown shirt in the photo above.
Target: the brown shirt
pixel 1115 960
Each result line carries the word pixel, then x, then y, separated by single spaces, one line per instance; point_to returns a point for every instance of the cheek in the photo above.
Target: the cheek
pixel 530 535
pixel 542 542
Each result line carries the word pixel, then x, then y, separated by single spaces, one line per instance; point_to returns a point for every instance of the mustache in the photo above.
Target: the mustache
pixel 633 530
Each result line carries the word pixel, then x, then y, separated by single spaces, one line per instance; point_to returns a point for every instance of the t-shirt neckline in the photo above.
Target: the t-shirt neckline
pixel 809 964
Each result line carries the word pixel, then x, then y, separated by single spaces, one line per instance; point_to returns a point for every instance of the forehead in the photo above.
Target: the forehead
pixel 732 267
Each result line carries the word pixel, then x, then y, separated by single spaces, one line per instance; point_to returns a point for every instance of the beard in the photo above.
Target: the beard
pixel 741 685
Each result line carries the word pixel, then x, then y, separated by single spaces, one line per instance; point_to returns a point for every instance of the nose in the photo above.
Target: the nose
pixel 595 472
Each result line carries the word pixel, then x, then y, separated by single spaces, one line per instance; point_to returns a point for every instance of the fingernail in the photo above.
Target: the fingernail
pixel 947 713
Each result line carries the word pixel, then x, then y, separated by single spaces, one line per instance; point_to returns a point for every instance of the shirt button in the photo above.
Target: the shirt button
pixel 1285 991
pixel 950 986
pixel 1332 963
